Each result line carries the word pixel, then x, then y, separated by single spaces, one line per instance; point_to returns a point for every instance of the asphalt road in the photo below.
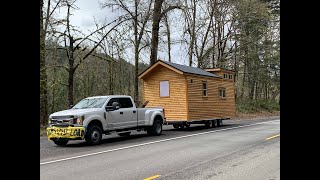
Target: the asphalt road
pixel 241 149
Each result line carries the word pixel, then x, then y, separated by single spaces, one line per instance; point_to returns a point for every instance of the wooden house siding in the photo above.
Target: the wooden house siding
pixel 212 106
pixel 176 104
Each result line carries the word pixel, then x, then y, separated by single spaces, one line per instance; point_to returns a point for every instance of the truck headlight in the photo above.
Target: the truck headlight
pixel 49 121
pixel 78 120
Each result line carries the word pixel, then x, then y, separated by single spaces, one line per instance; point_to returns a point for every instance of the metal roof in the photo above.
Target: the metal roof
pixel 191 70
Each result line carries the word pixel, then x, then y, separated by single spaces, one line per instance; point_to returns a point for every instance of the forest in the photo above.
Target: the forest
pixel 240 35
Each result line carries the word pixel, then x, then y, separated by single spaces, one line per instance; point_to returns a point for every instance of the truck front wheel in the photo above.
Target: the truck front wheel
pixel 93 135
pixel 156 128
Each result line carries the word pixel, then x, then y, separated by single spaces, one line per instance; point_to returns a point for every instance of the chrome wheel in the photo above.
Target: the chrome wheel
pixel 95 136
pixel 158 128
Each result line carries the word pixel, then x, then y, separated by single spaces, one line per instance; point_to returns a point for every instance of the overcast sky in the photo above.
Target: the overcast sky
pixel 89 10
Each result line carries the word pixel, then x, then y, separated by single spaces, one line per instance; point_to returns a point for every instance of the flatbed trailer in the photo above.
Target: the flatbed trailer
pixel 209 123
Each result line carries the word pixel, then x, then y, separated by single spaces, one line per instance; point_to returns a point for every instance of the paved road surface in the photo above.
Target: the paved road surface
pixel 241 149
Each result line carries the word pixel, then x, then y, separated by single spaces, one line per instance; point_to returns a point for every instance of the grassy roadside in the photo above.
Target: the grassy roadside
pixel 254 115
pixel 250 109
pixel 43 131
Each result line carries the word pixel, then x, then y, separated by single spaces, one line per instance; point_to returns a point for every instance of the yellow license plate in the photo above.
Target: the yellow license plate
pixel 66 132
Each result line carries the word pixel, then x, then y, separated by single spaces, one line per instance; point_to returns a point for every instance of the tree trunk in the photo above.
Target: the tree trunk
pixel 136 71
pixel 136 53
pixel 70 86
pixel 155 31
pixel 168 36
pixel 43 74
pixel 193 34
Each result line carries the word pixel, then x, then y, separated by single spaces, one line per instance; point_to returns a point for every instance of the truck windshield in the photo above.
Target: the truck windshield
pixel 90 103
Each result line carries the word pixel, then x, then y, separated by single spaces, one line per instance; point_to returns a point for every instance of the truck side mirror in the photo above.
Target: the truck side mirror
pixel 70 106
pixel 115 106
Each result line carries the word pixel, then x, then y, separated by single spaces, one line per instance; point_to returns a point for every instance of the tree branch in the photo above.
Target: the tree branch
pixel 98 43
pixel 99 30
pixel 49 67
pixel 168 9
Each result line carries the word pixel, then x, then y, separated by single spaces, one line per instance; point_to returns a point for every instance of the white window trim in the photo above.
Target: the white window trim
pixel 205 89
pixel 162 92
pixel 221 89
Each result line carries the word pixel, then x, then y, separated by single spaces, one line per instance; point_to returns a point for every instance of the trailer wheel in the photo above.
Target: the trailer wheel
pixel 209 124
pixel 214 123
pixel 187 125
pixel 94 135
pixel 156 128
pixel 61 142
pixel 219 122
pixel 175 126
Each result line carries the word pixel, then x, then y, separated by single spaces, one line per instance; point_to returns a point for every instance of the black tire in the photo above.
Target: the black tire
pixel 61 142
pixel 209 124
pixel 93 135
pixel 156 128
pixel 214 123
pixel 219 122
pixel 124 134
pixel 175 126
pixel 187 125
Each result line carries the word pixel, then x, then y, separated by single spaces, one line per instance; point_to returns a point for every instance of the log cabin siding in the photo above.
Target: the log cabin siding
pixel 212 106
pixel 176 104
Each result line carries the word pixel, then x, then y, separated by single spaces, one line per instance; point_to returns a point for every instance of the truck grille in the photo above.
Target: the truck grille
pixel 62 120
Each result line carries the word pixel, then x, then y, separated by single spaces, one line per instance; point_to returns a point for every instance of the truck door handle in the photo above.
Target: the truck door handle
pixel 121 112
pixel 134 111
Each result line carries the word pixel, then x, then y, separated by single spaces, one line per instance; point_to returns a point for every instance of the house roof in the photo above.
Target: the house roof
pixel 218 69
pixel 181 68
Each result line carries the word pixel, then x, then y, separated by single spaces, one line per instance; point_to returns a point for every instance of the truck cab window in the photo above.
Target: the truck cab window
pixel 125 103
pixel 112 100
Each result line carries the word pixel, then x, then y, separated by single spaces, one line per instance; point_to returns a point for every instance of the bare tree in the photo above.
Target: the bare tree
pixel 139 17
pixel 158 14
pixel 44 22
pixel 190 14
pixel 74 50
pixel 167 24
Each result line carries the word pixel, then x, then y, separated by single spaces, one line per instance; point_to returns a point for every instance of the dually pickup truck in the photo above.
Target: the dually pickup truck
pixel 94 116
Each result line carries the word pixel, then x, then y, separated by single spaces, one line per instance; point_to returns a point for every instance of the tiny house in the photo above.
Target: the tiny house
pixel 188 94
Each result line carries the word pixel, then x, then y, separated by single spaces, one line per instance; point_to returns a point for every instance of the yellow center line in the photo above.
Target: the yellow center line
pixel 273 137
pixel 152 177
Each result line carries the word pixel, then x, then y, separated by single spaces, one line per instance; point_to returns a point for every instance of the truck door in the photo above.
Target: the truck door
pixel 128 113
pixel 113 118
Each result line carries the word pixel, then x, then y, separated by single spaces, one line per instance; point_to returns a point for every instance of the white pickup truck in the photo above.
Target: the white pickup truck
pixel 94 116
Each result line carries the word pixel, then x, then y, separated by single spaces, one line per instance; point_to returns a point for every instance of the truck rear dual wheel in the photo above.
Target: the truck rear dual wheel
pixel 156 128
pixel 93 135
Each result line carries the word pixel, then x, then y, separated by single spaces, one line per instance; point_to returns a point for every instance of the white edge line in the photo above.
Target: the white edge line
pixel 153 142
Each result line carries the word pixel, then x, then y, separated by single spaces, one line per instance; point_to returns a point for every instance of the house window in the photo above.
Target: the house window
pixel 222 92
pixel 230 76
pixel 204 88
pixel 225 76
pixel 164 89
